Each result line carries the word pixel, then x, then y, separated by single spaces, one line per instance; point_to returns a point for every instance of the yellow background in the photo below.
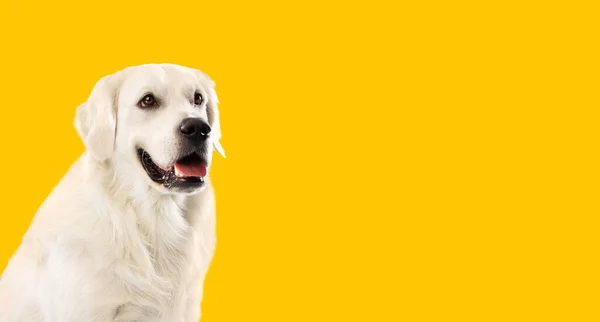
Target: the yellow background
pixel 386 162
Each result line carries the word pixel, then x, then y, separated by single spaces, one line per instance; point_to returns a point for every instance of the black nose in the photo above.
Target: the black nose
pixel 194 128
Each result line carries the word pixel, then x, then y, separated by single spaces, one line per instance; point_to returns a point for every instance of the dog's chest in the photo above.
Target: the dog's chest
pixel 163 255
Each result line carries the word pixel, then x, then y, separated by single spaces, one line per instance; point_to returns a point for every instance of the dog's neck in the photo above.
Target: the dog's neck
pixel 155 224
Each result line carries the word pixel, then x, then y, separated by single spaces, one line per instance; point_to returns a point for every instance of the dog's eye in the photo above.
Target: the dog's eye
pixel 197 99
pixel 147 101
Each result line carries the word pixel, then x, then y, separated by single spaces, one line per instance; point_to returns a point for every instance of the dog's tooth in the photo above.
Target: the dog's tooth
pixel 177 173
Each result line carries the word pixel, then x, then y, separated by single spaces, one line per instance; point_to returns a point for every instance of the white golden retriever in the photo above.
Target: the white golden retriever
pixel 129 232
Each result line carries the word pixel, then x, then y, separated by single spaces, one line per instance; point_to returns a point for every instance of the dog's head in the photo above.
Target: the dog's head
pixel 159 121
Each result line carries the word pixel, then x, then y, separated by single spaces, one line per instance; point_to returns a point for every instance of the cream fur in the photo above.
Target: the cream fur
pixel 108 244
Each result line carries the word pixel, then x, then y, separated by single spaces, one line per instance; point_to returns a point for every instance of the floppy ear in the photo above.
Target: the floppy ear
pixel 213 118
pixel 95 119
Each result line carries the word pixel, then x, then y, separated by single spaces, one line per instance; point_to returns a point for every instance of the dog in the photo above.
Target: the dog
pixel 129 232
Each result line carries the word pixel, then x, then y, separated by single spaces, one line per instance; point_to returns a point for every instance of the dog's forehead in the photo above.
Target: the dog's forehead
pixel 160 77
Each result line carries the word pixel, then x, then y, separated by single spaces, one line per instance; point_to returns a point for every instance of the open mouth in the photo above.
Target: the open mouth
pixel 187 172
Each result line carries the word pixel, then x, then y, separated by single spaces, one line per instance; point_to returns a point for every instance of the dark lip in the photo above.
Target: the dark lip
pixel 167 178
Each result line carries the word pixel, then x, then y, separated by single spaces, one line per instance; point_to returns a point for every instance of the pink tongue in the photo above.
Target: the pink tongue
pixel 192 170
